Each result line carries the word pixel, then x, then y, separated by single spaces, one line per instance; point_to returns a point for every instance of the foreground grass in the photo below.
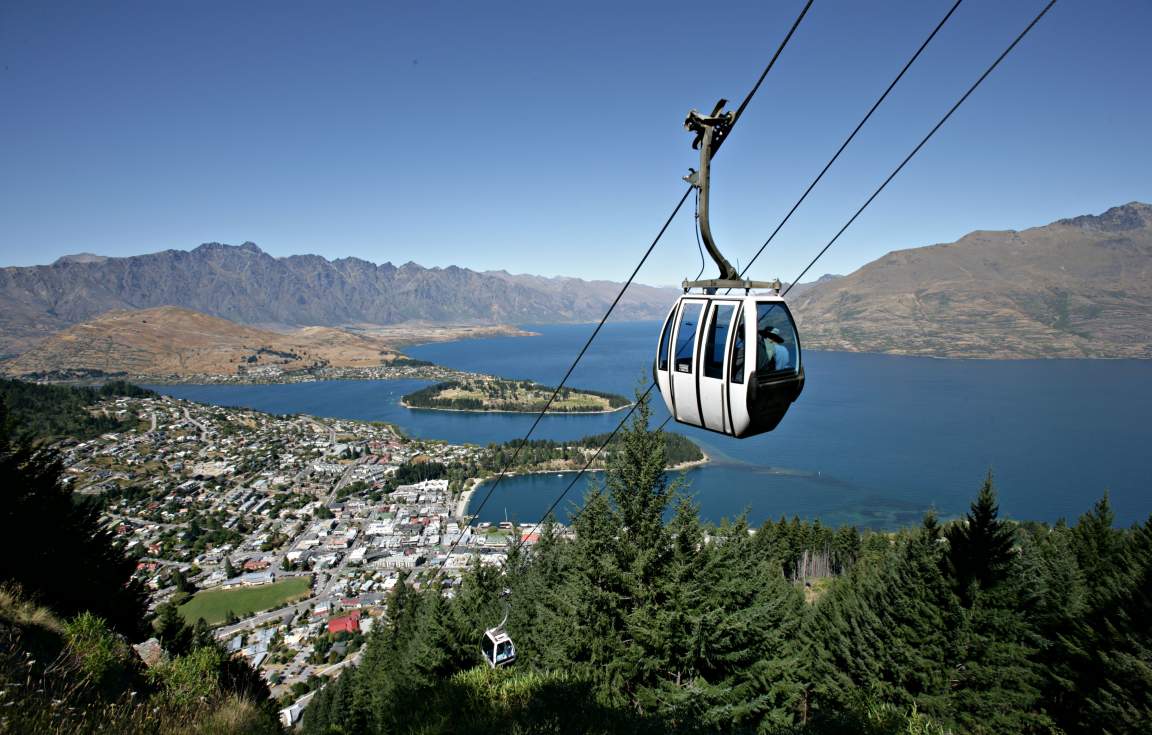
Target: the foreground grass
pixel 213 605
pixel 72 676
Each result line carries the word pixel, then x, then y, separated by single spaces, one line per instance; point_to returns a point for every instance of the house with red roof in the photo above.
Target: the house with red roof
pixel 349 623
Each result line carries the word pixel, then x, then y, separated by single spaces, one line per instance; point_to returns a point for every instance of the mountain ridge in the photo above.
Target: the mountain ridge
pixel 244 284
pixel 1078 287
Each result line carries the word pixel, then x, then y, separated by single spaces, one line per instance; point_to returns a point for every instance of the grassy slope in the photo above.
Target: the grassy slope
pixel 78 676
pixel 213 605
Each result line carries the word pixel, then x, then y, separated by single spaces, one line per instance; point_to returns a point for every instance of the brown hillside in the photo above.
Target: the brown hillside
pixel 171 340
pixel 1078 287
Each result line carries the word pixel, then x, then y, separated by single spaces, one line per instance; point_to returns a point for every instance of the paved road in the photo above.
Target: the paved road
pixel 335 668
pixel 188 417
pixel 331 432
pixel 166 562
pixel 292 610
pixel 144 521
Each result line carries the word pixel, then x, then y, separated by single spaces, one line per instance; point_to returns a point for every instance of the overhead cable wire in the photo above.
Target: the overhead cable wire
pixel 920 145
pixel 602 447
pixel 852 135
pixel 582 470
pixel 524 441
pixel 503 472
pixel 838 234
pixel 772 62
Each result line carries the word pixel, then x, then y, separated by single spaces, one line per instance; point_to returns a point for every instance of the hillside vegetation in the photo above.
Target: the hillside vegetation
pixel 974 626
pixel 69 606
pixel 55 411
pixel 79 676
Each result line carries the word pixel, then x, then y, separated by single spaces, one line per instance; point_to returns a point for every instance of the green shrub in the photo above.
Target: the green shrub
pixel 105 659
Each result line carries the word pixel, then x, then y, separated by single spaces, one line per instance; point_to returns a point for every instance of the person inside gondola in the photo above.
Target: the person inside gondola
pixel 503 651
pixel 771 354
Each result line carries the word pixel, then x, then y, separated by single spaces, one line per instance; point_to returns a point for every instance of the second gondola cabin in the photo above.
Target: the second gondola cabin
pixel 497 647
pixel 729 363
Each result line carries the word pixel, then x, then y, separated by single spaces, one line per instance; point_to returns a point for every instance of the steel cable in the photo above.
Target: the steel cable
pixel 897 170
pixel 852 135
pixel 504 471
pixel 924 140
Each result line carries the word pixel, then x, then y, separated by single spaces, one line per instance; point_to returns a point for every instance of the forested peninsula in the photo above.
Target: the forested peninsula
pixel 634 624
pixel 549 455
pixel 516 396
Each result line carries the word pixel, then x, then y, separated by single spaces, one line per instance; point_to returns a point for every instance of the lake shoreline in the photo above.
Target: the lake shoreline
pixel 918 437
pixel 465 498
pixel 405 404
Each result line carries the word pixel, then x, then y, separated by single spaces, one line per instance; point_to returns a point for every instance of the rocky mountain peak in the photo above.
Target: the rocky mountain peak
pixel 1130 216
pixel 80 258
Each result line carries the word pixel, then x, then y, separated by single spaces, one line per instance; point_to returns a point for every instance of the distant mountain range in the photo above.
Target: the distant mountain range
pixel 246 285
pixel 1079 287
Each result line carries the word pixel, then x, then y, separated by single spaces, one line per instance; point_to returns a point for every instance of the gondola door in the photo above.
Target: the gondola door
pixel 713 388
pixel 686 340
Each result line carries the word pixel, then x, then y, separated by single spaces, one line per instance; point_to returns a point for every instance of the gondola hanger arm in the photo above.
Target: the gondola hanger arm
pixel 710 132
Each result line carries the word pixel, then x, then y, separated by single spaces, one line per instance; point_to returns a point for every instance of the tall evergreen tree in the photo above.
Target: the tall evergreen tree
pixel 748 668
pixel 1099 547
pixel 1104 663
pixel 597 591
pixel 56 549
pixel 884 632
pixel 174 635
pixel 980 549
pixel 998 684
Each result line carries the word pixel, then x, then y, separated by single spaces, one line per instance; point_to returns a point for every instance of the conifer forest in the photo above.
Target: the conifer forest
pixel 637 624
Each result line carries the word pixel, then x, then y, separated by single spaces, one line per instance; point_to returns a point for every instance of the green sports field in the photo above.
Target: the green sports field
pixel 213 605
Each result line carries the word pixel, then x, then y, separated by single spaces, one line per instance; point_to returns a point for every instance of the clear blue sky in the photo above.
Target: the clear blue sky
pixel 546 137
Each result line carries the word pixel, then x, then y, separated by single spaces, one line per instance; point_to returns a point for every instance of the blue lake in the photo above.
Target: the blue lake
pixel 874 440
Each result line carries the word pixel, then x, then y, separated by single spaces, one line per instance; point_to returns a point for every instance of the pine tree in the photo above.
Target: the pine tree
pixel 980 548
pixel 1098 546
pixel 748 655
pixel 539 615
pixel 597 593
pixel 883 632
pixel 637 481
pixel 174 635
pixel 998 687
pixel 668 630
pixel 1106 659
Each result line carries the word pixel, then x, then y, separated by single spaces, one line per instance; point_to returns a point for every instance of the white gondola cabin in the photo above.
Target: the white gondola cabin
pixel 730 364
pixel 726 362
pixel 497 647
